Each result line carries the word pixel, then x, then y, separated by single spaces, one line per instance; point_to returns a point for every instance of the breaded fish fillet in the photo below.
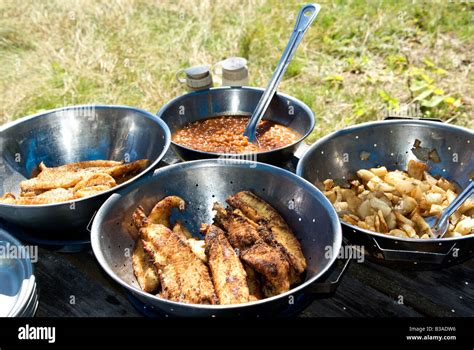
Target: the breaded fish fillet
pixel 183 276
pixel 144 269
pixel 271 264
pixel 263 213
pixel 228 273
pixel 247 236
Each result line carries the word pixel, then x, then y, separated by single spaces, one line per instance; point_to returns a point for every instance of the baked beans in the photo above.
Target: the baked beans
pixel 225 135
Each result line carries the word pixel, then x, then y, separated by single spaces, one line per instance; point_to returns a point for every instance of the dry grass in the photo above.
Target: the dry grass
pixel 357 59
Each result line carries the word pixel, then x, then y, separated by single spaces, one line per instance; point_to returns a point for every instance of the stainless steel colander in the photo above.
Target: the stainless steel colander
pixel 389 143
pixel 201 183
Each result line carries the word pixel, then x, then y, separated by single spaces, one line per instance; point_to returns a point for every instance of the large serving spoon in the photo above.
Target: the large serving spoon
pixel 306 16
pixel 439 225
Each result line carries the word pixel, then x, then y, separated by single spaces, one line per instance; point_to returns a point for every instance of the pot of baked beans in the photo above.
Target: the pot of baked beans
pixel 210 124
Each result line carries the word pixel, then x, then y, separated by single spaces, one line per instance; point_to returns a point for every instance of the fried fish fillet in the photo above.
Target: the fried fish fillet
pixel 181 229
pixel 144 269
pixel 281 235
pixel 69 175
pixel 246 236
pixel 183 276
pixel 253 282
pixel 196 245
pixel 242 234
pixel 46 197
pixel 228 273
pixel 271 264
pixel 160 214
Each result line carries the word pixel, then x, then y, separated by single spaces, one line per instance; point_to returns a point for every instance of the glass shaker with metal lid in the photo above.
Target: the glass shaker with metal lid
pixel 234 71
pixel 196 77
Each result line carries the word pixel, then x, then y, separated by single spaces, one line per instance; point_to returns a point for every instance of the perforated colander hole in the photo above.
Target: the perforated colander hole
pixel 392 154
pixel 314 220
pixel 375 145
pixel 299 219
pixel 213 196
pixel 197 185
pixel 231 182
pixel 322 152
pixel 449 148
pixel 357 136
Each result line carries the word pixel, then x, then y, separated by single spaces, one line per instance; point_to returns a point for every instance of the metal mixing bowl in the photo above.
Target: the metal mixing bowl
pixel 389 143
pixel 216 102
pixel 201 183
pixel 68 135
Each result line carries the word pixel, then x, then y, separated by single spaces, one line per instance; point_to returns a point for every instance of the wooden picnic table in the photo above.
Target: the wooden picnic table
pixel 73 284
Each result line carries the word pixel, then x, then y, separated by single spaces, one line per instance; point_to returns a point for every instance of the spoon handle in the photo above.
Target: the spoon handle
pixel 455 204
pixel 306 16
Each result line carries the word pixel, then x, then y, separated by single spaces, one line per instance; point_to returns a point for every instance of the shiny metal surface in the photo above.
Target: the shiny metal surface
pixel 439 225
pixel 73 134
pixel 18 286
pixel 201 183
pixel 306 16
pixel 217 102
pixel 389 143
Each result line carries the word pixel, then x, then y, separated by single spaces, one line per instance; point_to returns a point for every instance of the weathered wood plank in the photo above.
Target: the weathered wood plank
pixel 366 290
pixel 354 298
pixel 66 291
pixel 445 292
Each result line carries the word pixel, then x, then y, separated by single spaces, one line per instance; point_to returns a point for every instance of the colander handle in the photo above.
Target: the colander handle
pixel 415 256
pixel 329 287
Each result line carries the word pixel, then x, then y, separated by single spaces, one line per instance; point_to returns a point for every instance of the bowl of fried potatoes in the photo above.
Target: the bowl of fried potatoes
pixel 57 167
pixel 384 178
pixel 219 238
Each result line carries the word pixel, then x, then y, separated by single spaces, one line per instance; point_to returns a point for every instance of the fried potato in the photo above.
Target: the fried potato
pixel 396 202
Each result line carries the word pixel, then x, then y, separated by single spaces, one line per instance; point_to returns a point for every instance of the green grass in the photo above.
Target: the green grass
pixel 357 60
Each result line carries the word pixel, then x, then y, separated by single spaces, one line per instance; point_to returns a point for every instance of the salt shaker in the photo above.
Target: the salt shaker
pixel 196 77
pixel 234 71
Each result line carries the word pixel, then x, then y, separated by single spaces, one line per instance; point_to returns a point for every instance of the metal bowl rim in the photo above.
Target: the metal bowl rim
pixel 349 129
pixel 95 231
pixel 28 269
pixel 152 165
pixel 249 88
